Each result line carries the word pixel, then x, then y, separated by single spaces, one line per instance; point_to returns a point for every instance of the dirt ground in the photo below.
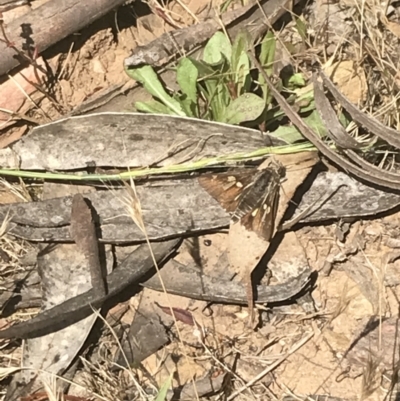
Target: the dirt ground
pixel 295 354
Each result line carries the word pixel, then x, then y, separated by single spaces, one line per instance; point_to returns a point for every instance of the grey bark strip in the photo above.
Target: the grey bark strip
pixel 196 285
pixel 182 207
pixel 135 266
pixel 335 130
pixel 126 140
pixel 83 233
pixel 64 273
pixel 190 282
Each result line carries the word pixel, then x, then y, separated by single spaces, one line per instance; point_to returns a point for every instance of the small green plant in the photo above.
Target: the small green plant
pixel 220 86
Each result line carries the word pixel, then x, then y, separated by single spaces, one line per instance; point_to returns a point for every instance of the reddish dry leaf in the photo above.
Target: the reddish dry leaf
pixel 9 138
pixel 181 315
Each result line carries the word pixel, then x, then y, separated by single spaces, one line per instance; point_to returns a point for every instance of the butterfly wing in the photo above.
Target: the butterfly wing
pixel 261 219
pixel 228 188
pixel 251 196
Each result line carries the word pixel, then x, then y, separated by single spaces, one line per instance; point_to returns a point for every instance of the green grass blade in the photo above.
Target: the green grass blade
pixel 162 394
pixel 177 168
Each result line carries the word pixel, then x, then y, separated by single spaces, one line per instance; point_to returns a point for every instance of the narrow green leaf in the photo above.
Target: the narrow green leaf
pixel 149 79
pixel 212 87
pixel 188 106
pixel 162 394
pixel 218 100
pixel 212 83
pixel 267 54
pixel 240 63
pixel 224 6
pixel 305 102
pixel 267 58
pixel 247 107
pixel 204 69
pixel 301 29
pixel 240 46
pixel 302 102
pixel 186 76
pixel 153 107
pixel 243 79
pixel 217 47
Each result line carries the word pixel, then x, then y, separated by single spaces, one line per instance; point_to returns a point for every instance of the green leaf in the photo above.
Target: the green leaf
pixel 243 79
pixel 267 54
pixel 297 80
pixel 212 85
pixel 149 79
pixel 153 107
pixel 267 58
pixel 240 46
pixel 247 107
pixel 290 134
pixel 301 29
pixel 216 48
pixel 224 6
pixel 188 106
pixel 204 69
pixel 186 76
pixel 162 394
pixel 218 99
pixel 344 120
pixel 240 63
pixel 305 103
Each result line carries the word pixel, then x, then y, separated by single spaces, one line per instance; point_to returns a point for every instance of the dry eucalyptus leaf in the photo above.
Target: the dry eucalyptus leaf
pixel 246 249
pixel 393 27
pixel 126 139
pixel 289 260
pixel 350 79
pixel 147 332
pixel 298 166
pixel 64 275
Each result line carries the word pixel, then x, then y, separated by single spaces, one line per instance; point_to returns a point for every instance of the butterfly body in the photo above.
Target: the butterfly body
pixel 250 195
